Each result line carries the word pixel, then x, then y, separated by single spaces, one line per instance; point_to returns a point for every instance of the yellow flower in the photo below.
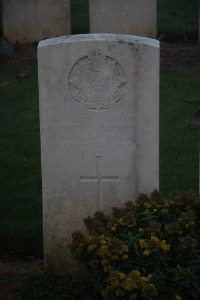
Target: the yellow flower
pixel 135 274
pixel 114 257
pixel 146 252
pixel 125 248
pixel 142 243
pixel 102 236
pixel 154 238
pixel 165 247
pixel 147 205
pixel 103 251
pixel 92 247
pixel 121 275
pixel 105 262
pixel 124 257
pixel 129 285
pixel 113 228
pixel 103 242
pixel 144 279
pixel 177 297
pixel 103 248
pixel 149 290
pixel 120 221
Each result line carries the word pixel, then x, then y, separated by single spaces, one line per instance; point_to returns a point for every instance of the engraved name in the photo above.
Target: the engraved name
pixel 103 132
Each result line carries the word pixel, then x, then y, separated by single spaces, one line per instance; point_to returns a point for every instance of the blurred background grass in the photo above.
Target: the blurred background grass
pixel 20 172
pixel 178 19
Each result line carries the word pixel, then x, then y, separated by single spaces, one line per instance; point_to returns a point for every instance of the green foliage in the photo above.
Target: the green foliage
pixel 148 249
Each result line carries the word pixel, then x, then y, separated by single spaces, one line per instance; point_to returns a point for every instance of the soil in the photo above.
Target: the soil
pixel 14 272
pixel 174 54
pixel 17 266
pixel 179 54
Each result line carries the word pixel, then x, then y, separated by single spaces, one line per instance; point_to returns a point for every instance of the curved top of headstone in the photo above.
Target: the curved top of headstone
pixel 100 37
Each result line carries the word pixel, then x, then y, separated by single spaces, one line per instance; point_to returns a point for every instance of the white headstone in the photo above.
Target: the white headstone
pixel 30 20
pixel 99 116
pixel 136 17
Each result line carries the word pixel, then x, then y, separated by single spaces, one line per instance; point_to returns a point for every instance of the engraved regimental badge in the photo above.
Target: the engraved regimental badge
pixel 97 81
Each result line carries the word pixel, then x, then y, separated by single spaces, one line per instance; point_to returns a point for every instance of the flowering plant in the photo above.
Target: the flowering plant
pixel 148 249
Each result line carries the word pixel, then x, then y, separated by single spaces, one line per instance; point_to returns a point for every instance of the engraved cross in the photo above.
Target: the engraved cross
pixel 99 179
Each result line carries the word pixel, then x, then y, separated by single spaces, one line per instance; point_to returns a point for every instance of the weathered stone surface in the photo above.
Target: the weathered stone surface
pixel 99 116
pixel 33 20
pixel 136 17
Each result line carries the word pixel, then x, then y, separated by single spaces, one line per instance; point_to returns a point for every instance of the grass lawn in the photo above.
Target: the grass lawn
pixel 20 194
pixel 178 145
pixel 178 19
